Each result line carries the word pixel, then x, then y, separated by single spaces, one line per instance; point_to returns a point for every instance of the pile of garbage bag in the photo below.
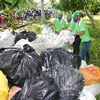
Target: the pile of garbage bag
pixel 61 40
pixel 20 64
pixel 53 56
pixel 38 88
pixel 37 67
pixel 41 43
pixel 69 80
pixel 64 39
pixel 29 35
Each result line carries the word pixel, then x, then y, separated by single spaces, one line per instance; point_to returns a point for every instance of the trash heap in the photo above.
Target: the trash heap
pixel 23 76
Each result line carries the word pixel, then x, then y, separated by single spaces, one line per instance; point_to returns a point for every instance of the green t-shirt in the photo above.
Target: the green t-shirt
pixel 71 26
pixel 59 24
pixel 80 27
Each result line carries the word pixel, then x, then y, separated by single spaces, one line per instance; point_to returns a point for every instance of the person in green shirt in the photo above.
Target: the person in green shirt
pixel 71 27
pixel 82 30
pixel 59 23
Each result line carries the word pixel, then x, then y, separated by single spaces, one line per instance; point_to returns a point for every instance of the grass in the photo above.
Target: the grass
pixel 98 97
pixel 95 37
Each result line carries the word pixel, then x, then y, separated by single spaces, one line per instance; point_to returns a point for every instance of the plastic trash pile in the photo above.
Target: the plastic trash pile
pixel 37 67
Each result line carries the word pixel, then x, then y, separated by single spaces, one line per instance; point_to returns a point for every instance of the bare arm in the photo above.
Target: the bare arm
pixel 50 24
pixel 80 33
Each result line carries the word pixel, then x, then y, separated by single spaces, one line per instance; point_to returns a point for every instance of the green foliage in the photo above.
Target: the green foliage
pixel 98 97
pixel 72 5
pixel 95 7
pixel 17 4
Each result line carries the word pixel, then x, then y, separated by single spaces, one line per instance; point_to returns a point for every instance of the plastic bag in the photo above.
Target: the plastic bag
pixel 86 95
pixel 46 30
pixel 29 35
pixel 69 80
pixel 53 56
pixel 20 64
pixel 64 39
pixel 13 91
pixel 38 89
pixel 41 44
pixel 21 43
pixel 53 37
pixel 3 86
pixel 91 74
pixel 6 39
pixel 94 89
pixel 83 64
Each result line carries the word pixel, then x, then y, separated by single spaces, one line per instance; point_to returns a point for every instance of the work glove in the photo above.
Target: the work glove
pixel 71 33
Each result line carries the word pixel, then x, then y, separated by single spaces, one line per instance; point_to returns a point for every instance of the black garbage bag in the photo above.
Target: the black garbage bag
pixel 68 98
pixel 2 49
pixel 69 80
pixel 18 64
pixel 76 59
pixel 31 36
pixel 53 56
pixel 38 89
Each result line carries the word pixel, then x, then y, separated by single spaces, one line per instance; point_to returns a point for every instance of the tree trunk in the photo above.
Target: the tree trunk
pixel 55 10
pixel 91 18
pixel 42 10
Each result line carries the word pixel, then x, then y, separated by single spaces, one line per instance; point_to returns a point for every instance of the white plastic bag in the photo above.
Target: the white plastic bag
pixel 83 64
pixel 46 30
pixel 86 95
pixel 6 39
pixel 53 37
pixel 94 89
pixel 64 39
pixel 22 42
pixel 41 43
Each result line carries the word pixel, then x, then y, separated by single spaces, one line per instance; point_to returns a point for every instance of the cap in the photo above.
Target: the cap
pixel 69 15
pixel 75 14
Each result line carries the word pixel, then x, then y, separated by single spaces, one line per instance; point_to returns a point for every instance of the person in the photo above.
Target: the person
pixel 59 23
pixel 71 23
pixel 69 18
pixel 82 31
pixel 71 27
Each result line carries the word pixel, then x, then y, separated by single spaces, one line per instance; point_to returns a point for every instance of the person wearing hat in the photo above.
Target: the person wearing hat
pixel 59 23
pixel 71 27
pixel 71 23
pixel 82 31
pixel 69 17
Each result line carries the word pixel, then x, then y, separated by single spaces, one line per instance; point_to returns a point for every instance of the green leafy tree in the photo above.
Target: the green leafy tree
pixel 16 4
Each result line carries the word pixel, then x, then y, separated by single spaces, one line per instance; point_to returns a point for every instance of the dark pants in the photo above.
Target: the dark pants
pixel 76 45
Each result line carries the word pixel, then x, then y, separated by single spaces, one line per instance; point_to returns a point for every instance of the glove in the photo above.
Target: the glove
pixel 71 33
